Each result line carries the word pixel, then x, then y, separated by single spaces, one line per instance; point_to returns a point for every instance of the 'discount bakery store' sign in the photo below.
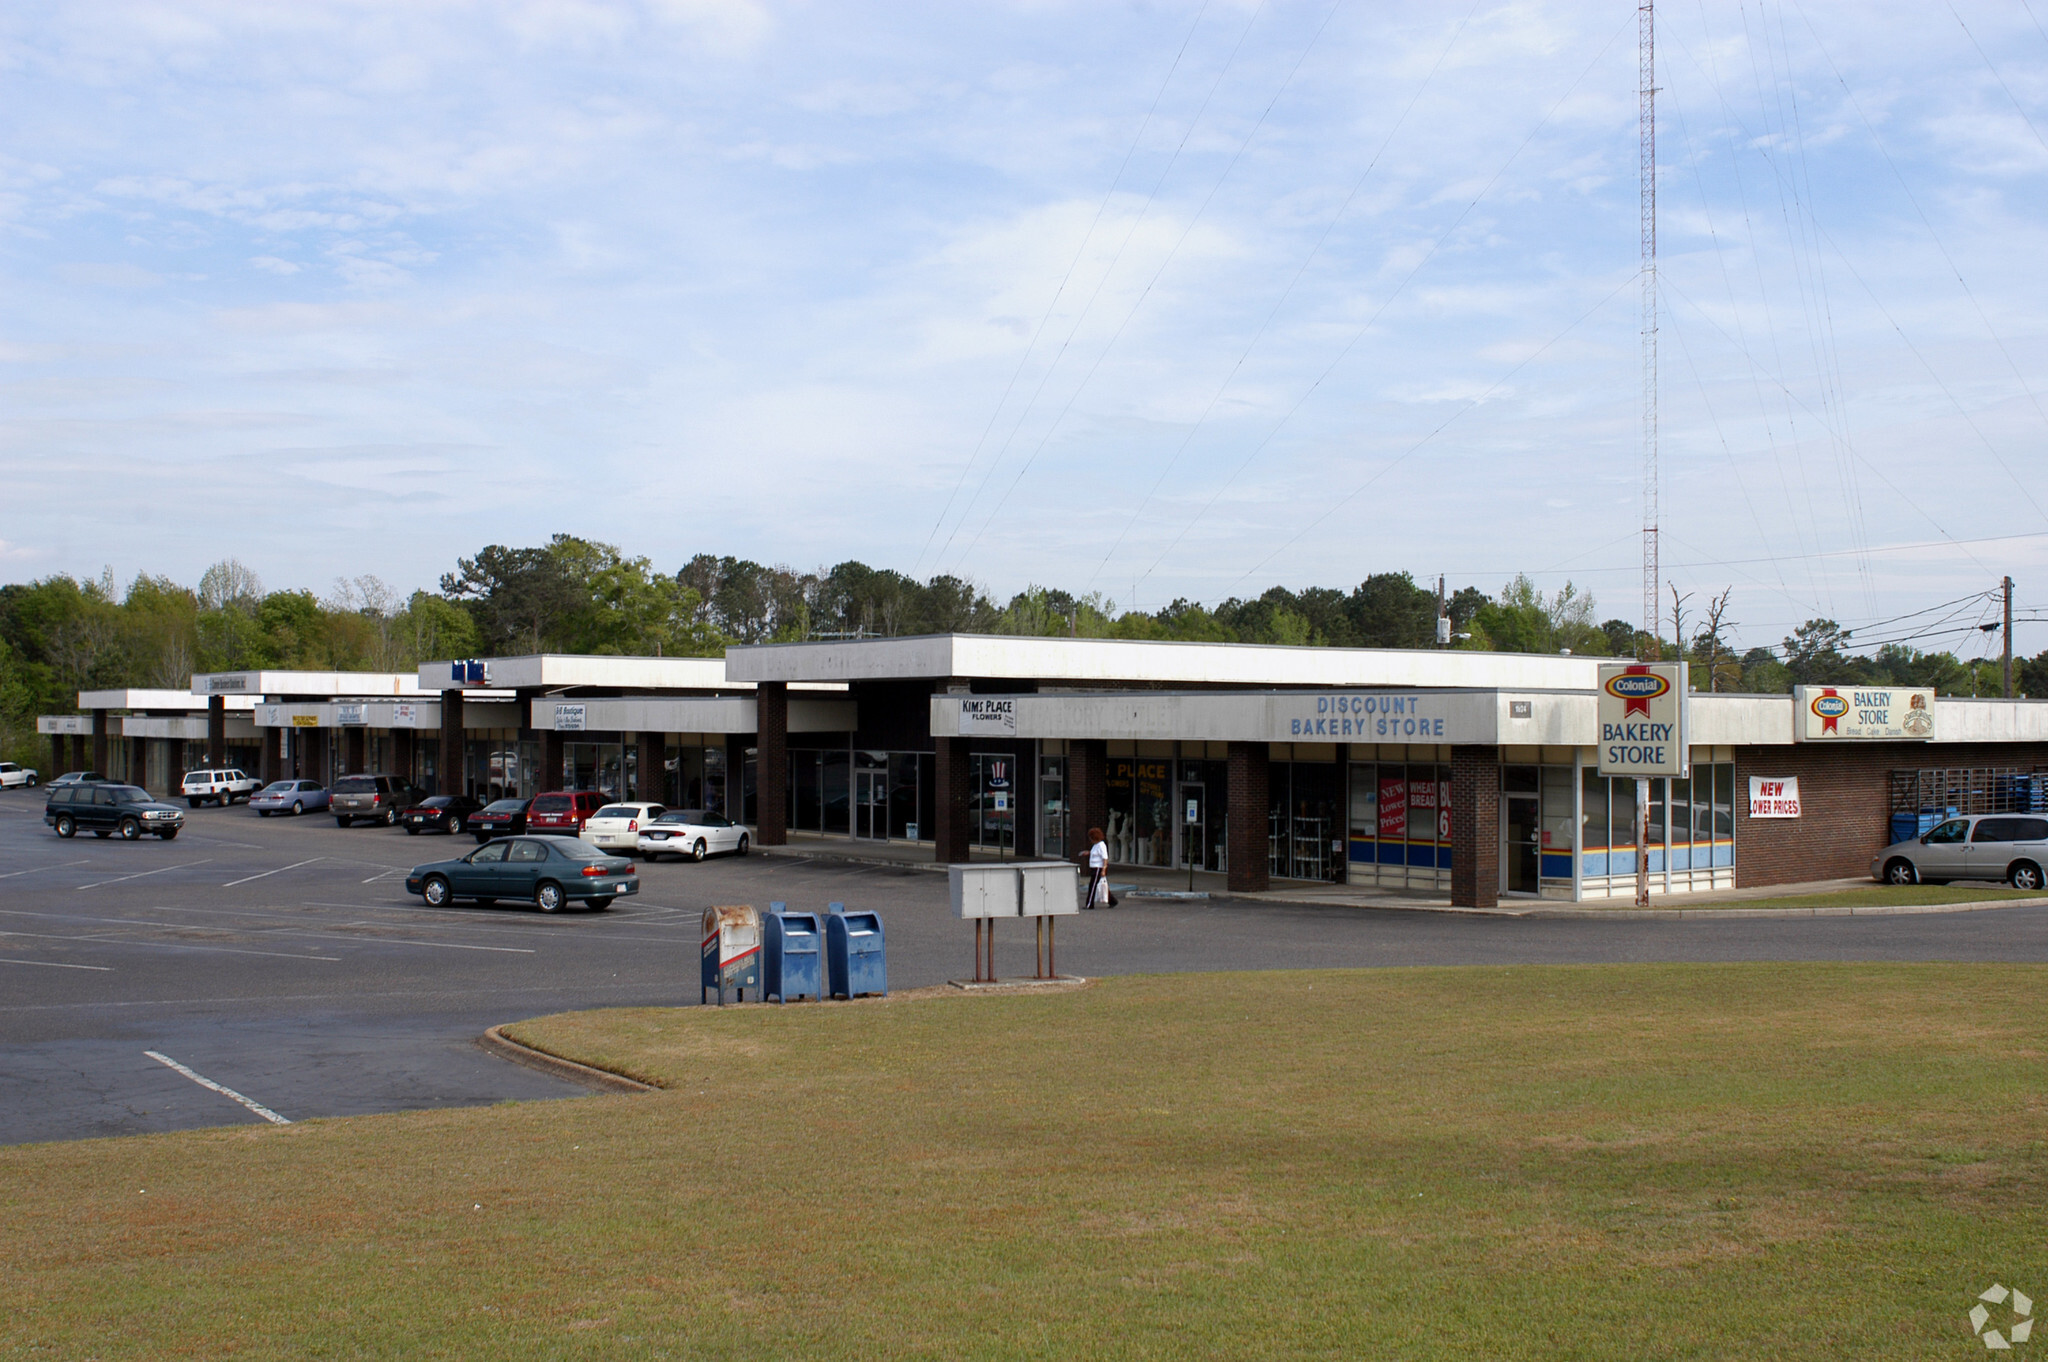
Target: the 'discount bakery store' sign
pixel 1374 716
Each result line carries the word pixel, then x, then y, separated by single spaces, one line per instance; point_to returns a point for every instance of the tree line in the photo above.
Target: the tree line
pixel 60 634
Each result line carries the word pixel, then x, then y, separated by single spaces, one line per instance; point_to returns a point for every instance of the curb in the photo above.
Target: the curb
pixel 1870 910
pixel 504 1047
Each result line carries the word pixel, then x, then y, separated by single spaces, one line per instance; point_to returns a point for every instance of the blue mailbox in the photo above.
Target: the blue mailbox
pixel 793 947
pixel 856 958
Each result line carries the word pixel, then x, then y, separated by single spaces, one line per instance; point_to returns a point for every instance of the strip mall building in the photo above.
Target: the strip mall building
pixel 1471 773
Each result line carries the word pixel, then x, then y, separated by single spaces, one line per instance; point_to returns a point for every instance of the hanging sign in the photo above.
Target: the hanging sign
pixel 1773 798
pixel 990 714
pixel 405 716
pixel 1642 713
pixel 1828 713
pixel 569 718
pixel 348 716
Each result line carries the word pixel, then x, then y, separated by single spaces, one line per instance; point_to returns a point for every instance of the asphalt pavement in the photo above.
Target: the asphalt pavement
pixel 281 960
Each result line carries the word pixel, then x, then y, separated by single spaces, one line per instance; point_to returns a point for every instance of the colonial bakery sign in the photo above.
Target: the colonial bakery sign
pixel 1642 713
pixel 1862 713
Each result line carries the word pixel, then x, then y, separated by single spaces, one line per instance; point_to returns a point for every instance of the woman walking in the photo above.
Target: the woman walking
pixel 1098 872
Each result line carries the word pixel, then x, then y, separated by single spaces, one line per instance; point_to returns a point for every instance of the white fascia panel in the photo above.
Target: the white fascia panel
pixel 568 671
pixel 690 714
pixel 175 726
pixel 1331 716
pixel 1966 720
pixel 138 699
pixel 364 684
pixel 1107 661
pixel 1738 720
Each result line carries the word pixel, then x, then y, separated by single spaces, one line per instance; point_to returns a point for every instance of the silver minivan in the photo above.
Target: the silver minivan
pixel 1987 846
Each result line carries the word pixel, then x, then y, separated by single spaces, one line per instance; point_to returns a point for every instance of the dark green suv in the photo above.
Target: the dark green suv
pixel 103 809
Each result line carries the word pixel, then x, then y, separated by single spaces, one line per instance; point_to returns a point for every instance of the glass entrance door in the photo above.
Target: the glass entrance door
pixel 1521 854
pixel 1194 825
pixel 871 805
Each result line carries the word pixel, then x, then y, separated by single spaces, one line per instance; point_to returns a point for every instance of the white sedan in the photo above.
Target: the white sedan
pixel 12 775
pixel 616 827
pixel 695 833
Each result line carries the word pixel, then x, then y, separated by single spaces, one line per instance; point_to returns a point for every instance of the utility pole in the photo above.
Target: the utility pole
pixel 1646 135
pixel 1443 615
pixel 2008 638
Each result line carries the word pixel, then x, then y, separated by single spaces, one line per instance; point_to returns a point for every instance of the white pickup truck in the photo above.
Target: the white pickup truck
pixel 222 787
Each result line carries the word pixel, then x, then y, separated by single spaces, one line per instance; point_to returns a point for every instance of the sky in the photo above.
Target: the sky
pixel 1150 299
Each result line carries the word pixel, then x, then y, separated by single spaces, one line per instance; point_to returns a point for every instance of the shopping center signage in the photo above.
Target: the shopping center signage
pixel 1372 717
pixel 1862 713
pixel 992 714
pixel 1641 708
pixel 1770 798
pixel 569 718
pixel 348 716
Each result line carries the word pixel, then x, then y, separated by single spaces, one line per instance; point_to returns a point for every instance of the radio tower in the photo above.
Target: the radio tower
pixel 1646 120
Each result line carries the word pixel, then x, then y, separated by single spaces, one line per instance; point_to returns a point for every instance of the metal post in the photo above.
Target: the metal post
pixel 1052 966
pixel 2008 638
pixel 1642 842
pixel 1038 949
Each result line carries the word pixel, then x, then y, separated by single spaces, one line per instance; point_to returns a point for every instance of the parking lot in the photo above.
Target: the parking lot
pixel 282 960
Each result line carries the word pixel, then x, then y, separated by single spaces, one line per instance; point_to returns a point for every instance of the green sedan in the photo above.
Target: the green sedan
pixel 545 871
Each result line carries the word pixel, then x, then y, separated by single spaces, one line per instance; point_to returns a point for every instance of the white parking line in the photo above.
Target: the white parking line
pixel 268 873
pixel 361 938
pixel 52 964
pixel 35 869
pixel 115 939
pixel 265 1112
pixel 140 873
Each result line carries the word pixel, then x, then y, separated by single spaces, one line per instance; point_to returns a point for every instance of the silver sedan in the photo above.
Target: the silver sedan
pixel 289 796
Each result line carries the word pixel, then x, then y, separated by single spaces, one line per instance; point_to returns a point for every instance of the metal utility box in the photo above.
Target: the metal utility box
pixel 856 955
pixel 731 952
pixel 983 890
pixel 792 950
pixel 1048 888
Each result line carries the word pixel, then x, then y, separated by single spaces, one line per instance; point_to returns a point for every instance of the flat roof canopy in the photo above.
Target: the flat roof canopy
pixel 175 701
pixel 1106 661
pixel 305 683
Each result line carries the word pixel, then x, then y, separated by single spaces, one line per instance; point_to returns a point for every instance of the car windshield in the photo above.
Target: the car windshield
pixel 437 801
pixel 127 794
pixel 506 806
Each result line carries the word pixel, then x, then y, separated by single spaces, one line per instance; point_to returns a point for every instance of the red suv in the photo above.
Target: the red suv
pixel 563 810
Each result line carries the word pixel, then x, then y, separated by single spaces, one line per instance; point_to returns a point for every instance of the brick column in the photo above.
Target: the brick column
pixel 651 779
pixel 272 766
pixel 99 741
pixel 138 762
pixel 1475 827
pixel 771 764
pixel 56 756
pixel 1024 801
pixel 448 773
pixel 1245 832
pixel 955 779
pixel 402 754
pixel 78 754
pixel 550 762
pixel 735 793
pixel 1087 793
pixel 217 730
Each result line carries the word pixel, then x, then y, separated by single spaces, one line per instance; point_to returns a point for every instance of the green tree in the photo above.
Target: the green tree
pixel 1814 656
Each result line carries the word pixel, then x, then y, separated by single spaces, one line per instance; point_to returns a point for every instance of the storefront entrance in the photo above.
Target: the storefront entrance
pixel 871 805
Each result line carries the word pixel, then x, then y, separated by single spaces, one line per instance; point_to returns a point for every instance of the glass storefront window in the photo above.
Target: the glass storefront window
pixel 1052 806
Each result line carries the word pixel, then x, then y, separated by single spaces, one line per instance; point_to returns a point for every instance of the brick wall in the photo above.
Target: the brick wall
pixel 1245 827
pixel 954 770
pixel 1475 827
pixel 1844 803
pixel 771 764
pixel 1087 792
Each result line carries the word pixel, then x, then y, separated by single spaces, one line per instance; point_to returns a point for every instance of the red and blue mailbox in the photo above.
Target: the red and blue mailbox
pixel 732 952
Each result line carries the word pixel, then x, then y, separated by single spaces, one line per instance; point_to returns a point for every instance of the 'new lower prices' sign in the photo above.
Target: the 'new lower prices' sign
pixel 1642 716
pixel 1773 798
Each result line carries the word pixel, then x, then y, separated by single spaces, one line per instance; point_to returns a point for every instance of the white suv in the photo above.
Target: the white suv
pixel 219 787
pixel 12 775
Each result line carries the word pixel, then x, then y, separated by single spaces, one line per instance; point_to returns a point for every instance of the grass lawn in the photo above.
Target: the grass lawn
pixel 1875 896
pixel 1747 1161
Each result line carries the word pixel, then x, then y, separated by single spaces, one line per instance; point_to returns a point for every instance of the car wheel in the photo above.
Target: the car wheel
pixel 298 807
pixel 451 824
pixel 390 818
pixel 1900 871
pixel 548 896
pixel 2025 875
pixel 741 849
pixel 65 827
pixel 131 828
pixel 697 851
pixel 435 891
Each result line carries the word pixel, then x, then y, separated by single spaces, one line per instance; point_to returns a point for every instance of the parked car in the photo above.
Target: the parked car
pixel 616 827
pixel 12 775
pixel 289 796
pixel 439 813
pixel 499 818
pixel 563 810
pixel 103 809
pixel 77 778
pixel 377 799
pixel 219 786
pixel 546 871
pixel 1995 846
pixel 694 833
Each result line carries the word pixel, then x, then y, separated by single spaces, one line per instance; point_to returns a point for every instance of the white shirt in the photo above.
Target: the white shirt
pixel 1098 856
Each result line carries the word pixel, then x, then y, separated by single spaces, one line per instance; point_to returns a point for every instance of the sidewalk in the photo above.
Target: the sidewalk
pixel 1146 883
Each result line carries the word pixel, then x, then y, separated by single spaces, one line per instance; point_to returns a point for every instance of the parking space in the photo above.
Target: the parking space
pixel 281 959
